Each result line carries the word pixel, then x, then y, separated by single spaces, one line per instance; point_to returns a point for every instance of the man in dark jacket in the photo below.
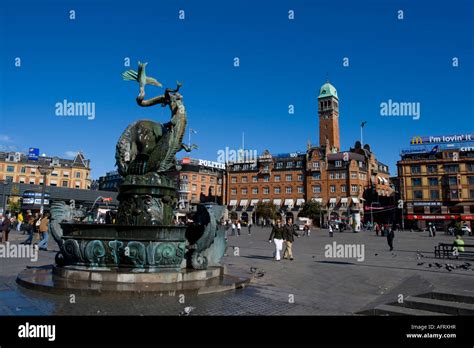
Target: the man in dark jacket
pixel 5 228
pixel 288 233
pixel 390 235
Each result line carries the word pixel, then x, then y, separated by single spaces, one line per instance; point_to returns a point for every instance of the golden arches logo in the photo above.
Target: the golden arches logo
pixel 417 140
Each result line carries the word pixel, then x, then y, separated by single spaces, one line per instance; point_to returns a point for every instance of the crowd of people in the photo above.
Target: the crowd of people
pixel 35 226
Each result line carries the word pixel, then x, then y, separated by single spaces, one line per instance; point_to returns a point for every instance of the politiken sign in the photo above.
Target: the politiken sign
pixel 442 139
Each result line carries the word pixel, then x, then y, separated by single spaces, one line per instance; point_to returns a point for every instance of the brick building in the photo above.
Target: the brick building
pixel 339 180
pixel 437 184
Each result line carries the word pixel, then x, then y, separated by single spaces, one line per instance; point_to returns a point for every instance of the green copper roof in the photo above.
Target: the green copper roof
pixel 327 90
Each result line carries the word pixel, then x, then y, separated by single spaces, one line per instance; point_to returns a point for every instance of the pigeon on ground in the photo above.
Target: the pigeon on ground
pixel 420 263
pixel 186 311
pixel 429 265
pixel 253 269
pixel 260 274
pixel 376 254
pixel 438 265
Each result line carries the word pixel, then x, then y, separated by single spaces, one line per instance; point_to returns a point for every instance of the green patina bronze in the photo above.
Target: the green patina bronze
pixel 144 236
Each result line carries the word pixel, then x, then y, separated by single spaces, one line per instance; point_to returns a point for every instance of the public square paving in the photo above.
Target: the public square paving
pixel 310 285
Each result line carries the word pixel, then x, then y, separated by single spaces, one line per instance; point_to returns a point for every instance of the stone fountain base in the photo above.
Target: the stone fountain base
pixel 102 280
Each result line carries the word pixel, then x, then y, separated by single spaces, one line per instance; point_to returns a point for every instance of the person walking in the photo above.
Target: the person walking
pixel 20 220
pixel 277 237
pixel 29 228
pixel 233 228
pixel 288 235
pixel 5 228
pixel 459 244
pixel 377 229
pixel 249 226
pixel 43 229
pixel 331 232
pixel 238 227
pixel 390 236
pixel 306 230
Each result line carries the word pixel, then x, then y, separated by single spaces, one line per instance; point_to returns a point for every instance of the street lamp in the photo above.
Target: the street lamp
pixel 45 171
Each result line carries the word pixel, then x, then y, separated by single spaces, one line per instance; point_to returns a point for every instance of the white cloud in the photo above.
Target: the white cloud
pixel 70 153
pixel 5 138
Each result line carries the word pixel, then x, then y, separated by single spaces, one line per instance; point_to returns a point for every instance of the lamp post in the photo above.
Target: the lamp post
pixel 45 171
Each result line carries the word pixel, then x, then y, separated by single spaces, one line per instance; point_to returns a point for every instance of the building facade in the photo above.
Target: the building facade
pixel 338 180
pixel 110 181
pixel 19 168
pixel 437 185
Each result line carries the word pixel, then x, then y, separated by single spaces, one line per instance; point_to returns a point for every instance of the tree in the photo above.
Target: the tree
pixel 266 210
pixel 14 206
pixel 311 210
pixel 233 215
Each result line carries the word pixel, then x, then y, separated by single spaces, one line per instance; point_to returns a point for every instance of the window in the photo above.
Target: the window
pixel 194 197
pixel 288 177
pixel 266 190
pixel 254 179
pixel 277 177
pixel 434 194
pixel 194 188
pixel 471 193
pixel 316 189
pixel 433 181
pixel 245 167
pixel 23 170
pixel 316 176
pixel 255 191
pixel 452 180
pixel 22 180
pixel 203 188
pixel 244 179
pixel 300 189
pixel 470 180
pixel 266 178
pixel 451 168
pixel 33 171
pixel 470 167
pixel 316 165
pixel 354 188
pixel 343 175
pixel 289 164
pixel 10 169
pixel 266 167
pixel 194 177
pixel 332 188
pixel 78 184
pixel 288 189
pixel 353 175
pixel 233 191
pixel 279 165
pixel 338 163
pixel 343 188
pixel 432 168
pixel 415 169
pixel 299 163
pixel 54 173
pixel 416 181
pixel 361 164
pixel 32 181
pixel 53 183
pixel 277 190
pixel 184 177
pixel 418 194
pixel 64 184
pixel 300 177
pixel 213 180
pixel 236 167
pixel 203 179
pixel 454 194
pixel 233 179
pixel 244 191
pixel 331 176
pixel 78 175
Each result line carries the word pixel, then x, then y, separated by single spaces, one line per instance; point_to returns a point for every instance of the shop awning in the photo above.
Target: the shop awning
pixel 355 200
pixel 253 202
pixel 244 202
pixel 277 201
pixel 332 200
pixel 300 201
pixel 265 200
pixel 233 202
pixel 385 181
pixel 344 200
pixel 317 200
pixel 289 202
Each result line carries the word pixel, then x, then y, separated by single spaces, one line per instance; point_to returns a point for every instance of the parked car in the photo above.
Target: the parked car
pixel 466 229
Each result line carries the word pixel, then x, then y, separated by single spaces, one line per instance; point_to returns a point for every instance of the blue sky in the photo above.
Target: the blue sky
pixel 282 62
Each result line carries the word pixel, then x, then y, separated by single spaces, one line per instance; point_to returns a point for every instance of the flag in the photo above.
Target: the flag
pixel 363 124
pixel 193 131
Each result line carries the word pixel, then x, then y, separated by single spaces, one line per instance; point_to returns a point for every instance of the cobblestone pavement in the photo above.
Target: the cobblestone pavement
pixel 312 284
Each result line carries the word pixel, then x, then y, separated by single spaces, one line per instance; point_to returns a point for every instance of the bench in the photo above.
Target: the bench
pixel 445 251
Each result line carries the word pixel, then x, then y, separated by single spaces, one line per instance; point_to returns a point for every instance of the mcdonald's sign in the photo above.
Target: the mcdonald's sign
pixel 416 140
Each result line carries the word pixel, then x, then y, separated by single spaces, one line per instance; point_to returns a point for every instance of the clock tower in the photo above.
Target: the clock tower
pixel 328 110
